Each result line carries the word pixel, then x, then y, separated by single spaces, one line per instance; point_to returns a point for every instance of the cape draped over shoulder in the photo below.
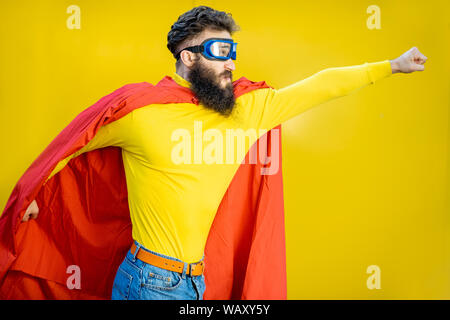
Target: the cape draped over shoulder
pixel 84 218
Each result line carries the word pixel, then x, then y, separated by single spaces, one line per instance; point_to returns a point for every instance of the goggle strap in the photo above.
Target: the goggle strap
pixel 194 49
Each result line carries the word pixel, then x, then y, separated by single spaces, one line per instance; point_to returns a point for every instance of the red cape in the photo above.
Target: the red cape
pixel 84 216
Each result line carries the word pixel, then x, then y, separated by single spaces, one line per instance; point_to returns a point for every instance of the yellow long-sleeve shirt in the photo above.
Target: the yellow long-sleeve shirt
pixel 174 189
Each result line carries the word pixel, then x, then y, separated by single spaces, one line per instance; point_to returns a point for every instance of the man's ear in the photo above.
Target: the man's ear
pixel 188 58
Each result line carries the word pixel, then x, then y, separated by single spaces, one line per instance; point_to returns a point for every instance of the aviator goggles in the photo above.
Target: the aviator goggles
pixel 214 49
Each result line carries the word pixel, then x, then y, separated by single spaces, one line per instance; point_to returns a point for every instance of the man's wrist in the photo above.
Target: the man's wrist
pixel 394 66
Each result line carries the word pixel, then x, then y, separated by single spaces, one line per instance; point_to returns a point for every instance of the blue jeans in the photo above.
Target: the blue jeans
pixel 137 280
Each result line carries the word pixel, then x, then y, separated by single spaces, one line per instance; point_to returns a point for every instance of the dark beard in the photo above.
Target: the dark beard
pixel 206 89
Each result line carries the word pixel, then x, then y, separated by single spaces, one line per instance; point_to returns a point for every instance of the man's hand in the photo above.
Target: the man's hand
pixel 412 60
pixel 32 211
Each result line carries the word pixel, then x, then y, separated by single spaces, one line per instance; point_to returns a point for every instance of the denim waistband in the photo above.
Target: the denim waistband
pixel 141 247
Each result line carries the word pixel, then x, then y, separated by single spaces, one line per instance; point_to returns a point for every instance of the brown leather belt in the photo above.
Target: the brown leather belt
pixel 193 269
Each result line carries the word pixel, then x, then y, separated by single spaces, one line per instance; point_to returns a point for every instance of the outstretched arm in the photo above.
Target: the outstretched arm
pixel 272 107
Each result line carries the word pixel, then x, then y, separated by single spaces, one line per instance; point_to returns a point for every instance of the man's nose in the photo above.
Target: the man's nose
pixel 229 65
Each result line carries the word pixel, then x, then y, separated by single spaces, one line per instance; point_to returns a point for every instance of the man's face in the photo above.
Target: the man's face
pixel 211 80
pixel 221 69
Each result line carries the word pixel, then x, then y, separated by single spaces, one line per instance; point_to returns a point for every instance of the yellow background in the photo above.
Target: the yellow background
pixel 366 176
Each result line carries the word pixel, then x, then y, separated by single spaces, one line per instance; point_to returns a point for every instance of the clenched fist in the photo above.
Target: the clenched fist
pixel 412 60
pixel 31 212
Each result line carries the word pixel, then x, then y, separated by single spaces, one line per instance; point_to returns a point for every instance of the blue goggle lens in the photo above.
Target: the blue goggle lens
pixel 214 49
pixel 220 49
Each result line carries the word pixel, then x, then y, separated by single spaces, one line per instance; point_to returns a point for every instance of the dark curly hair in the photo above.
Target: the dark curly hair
pixel 194 21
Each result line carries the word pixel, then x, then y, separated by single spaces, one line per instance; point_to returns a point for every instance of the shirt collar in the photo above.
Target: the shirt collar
pixel 180 80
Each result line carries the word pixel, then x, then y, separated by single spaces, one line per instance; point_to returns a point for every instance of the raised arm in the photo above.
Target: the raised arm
pixel 271 107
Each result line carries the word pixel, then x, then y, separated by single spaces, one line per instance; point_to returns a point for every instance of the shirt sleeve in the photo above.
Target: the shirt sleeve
pixel 271 107
pixel 115 134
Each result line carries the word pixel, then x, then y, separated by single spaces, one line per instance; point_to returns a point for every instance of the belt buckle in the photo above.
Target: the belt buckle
pixel 195 264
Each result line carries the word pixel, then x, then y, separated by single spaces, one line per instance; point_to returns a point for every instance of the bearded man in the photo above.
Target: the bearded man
pixel 172 205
